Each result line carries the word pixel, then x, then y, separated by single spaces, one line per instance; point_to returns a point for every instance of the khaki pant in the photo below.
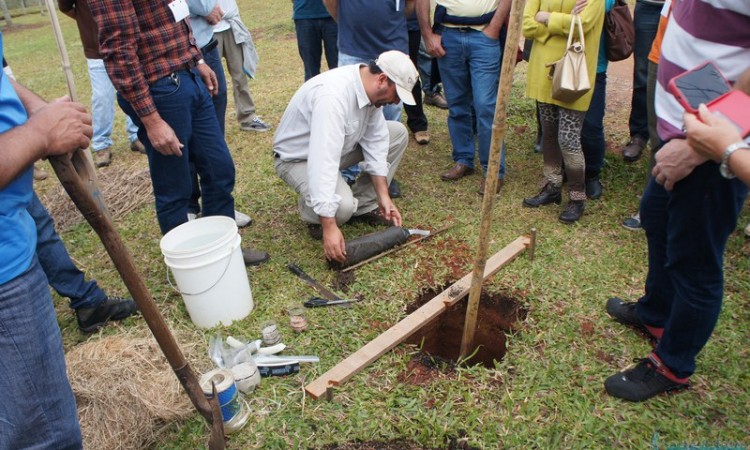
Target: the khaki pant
pixel 355 200
pixel 232 52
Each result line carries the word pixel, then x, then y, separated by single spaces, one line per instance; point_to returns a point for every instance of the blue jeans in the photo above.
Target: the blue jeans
pixel 592 133
pixel 61 271
pixel 103 107
pixel 313 35
pixel 185 104
pixel 470 71
pixel 391 112
pixel 687 230
pixel 646 21
pixel 38 409
pixel 213 59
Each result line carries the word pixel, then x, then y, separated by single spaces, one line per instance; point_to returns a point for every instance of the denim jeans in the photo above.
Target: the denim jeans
pixel 61 271
pixel 470 71
pixel 38 408
pixel 646 21
pixel 185 104
pixel 592 133
pixel 213 59
pixel 103 107
pixel 314 35
pixel 687 231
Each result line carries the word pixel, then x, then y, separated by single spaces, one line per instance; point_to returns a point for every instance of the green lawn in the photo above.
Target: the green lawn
pixel 547 392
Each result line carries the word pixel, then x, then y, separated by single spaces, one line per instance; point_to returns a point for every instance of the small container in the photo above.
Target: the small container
pixel 246 376
pixel 270 333
pixel 297 319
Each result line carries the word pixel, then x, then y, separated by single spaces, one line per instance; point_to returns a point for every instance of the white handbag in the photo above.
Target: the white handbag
pixel 570 75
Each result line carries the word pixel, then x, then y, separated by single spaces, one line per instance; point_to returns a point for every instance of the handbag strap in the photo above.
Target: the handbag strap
pixel 575 19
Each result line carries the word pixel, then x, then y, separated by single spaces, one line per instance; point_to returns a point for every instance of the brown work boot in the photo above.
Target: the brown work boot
pixel 103 157
pixel 436 99
pixel 457 172
pixel 138 147
pixel 499 186
pixel 422 137
pixel 632 151
pixel 254 257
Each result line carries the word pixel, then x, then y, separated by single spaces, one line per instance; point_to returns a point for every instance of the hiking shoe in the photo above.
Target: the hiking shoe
pixel 255 125
pixel 242 219
pixel 138 147
pixel 633 223
pixel 634 148
pixel 112 308
pixel 40 174
pixel 625 313
pixel 254 257
pixel 103 158
pixel 422 137
pixel 437 99
pixel 650 377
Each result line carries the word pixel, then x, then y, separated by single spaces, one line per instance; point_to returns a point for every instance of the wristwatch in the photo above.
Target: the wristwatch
pixel 201 61
pixel 724 169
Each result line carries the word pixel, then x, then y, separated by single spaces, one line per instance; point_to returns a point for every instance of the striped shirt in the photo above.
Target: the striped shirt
pixel 700 31
pixel 140 43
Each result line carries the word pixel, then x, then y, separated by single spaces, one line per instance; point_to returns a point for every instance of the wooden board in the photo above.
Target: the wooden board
pixel 374 349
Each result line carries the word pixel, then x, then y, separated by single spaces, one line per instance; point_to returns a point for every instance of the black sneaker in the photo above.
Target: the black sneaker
pixel 112 308
pixel 625 313
pixel 650 377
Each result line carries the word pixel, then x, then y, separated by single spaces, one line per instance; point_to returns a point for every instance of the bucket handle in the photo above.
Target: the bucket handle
pixel 176 289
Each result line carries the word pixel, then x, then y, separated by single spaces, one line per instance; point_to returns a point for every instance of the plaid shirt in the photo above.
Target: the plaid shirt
pixel 140 43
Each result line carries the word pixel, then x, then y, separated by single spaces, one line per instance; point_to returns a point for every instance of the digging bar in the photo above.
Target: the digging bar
pixel 77 175
pixel 498 133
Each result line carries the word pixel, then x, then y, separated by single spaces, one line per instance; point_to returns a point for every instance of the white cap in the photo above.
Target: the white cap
pixel 401 71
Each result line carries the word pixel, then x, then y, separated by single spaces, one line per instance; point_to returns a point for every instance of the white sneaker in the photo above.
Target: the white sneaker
pixel 192 216
pixel 256 124
pixel 242 220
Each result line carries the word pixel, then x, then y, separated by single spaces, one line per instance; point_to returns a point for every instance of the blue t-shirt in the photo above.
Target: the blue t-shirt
pixel 368 28
pixel 309 9
pixel 17 229
pixel 603 62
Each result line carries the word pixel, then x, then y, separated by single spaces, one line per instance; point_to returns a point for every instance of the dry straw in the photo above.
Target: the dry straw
pixel 126 392
pixel 124 190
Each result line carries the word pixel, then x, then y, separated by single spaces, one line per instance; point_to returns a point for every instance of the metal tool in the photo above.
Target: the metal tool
pixel 316 302
pixel 322 290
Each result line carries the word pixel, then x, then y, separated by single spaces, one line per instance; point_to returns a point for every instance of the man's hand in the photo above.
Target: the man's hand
pixel 579 6
pixel 675 161
pixel 209 78
pixel 389 211
pixel 161 135
pixel 64 125
pixel 215 15
pixel 334 245
pixel 709 134
pixel 434 45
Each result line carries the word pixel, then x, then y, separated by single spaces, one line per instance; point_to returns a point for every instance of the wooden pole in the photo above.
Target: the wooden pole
pixel 498 134
pixel 77 175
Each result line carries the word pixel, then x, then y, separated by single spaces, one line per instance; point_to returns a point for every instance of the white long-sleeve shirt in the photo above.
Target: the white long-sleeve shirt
pixel 326 119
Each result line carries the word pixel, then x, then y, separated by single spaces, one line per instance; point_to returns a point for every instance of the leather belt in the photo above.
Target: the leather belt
pixel 210 46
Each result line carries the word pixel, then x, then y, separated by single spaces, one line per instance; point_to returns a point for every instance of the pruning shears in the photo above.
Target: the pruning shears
pixel 316 302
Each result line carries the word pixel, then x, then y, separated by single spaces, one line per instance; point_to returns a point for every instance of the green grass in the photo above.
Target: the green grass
pixel 546 393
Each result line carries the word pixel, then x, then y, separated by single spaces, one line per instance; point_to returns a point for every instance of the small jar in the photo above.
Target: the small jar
pixel 297 319
pixel 270 333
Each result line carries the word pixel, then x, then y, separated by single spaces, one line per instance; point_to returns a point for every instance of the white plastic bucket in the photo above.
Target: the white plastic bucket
pixel 205 258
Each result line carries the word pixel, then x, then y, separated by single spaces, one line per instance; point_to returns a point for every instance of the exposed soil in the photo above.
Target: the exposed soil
pixel 441 338
pixel 454 444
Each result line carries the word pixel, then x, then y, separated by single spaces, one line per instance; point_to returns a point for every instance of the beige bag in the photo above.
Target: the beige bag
pixel 570 75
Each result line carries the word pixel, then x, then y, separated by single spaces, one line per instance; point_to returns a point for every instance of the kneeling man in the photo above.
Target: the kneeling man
pixel 333 122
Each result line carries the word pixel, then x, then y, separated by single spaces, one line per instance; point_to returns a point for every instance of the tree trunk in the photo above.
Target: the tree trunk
pixel 6 13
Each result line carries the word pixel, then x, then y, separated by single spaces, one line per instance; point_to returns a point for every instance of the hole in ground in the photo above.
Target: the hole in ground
pixel 441 337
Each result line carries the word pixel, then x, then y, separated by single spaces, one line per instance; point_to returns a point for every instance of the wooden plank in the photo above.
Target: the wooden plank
pixel 374 349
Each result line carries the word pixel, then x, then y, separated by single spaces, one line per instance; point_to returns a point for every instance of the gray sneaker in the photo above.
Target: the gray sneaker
pixel 255 125
pixel 633 223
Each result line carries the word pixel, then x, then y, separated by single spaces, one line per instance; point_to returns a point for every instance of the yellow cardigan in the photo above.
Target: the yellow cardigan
pixel 550 41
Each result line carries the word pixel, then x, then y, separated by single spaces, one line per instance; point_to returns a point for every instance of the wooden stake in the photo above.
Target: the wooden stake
pixel 498 134
pixel 373 350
